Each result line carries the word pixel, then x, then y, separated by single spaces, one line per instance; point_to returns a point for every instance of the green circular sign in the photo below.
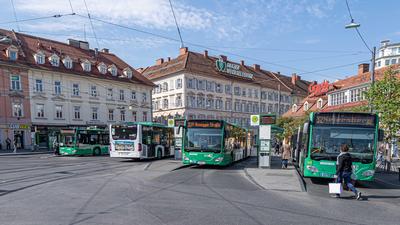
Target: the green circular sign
pixel 254 119
pixel 170 122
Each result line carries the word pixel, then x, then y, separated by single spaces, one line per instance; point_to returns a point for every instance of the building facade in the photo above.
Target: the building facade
pixel 388 54
pixel 199 86
pixel 70 85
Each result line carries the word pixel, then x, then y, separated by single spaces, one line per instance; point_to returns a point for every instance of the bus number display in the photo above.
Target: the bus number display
pixel 267 120
pixel 179 122
pixel 204 124
pixel 345 119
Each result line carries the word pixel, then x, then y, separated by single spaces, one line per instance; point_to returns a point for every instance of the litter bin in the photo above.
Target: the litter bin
pixel 264 160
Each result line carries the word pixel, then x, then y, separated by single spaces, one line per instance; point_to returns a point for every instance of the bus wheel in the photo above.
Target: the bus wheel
pixel 159 156
pixel 96 151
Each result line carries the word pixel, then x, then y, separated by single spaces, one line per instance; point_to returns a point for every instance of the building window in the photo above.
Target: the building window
pixel 250 93
pixel 200 84
pixel 121 95
pixel 144 97
pixel 165 103
pixel 319 104
pixel 306 106
pixel 122 114
pixel 128 73
pixel 294 108
pixel 237 107
pixel 113 70
pixel 191 83
pixel 192 101
pixel 57 87
pixel 94 113
pixel 165 87
pixel 68 63
pixel 15 83
pixel 263 107
pixel 255 93
pixel 39 85
pixel 87 66
pixel 218 88
pixel 393 61
pixel 379 63
pixel 39 110
pixel 270 108
pixel 39 57
pixel 111 114
pixel 144 116
pixel 255 108
pixel 387 62
pixel 102 68
pixel 134 116
pixel 75 89
pixel 218 104
pixel 133 95
pixel 59 111
pixel 228 89
pixel 228 105
pixel 12 54
pixel 55 60
pixel 17 110
pixel 210 103
pixel 178 101
pixel 77 112
pixel 208 85
pixel 200 101
pixel 236 90
pixel 244 92
pixel 93 91
pixel 179 83
pixel 109 94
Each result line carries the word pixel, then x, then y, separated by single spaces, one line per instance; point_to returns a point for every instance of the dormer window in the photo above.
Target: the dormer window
pixel 306 106
pixel 128 72
pixel 54 60
pixel 102 68
pixel 67 62
pixel 12 53
pixel 86 66
pixel 39 58
pixel 294 108
pixel 319 103
pixel 113 70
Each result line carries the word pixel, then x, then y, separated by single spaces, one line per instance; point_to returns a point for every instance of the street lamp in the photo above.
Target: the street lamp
pixel 352 25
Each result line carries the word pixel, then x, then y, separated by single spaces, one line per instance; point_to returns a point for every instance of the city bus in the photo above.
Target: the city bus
pixel 84 141
pixel 141 140
pixel 214 142
pixel 318 143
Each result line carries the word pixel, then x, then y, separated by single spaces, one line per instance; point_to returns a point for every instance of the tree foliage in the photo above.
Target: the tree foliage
pixel 384 97
pixel 289 125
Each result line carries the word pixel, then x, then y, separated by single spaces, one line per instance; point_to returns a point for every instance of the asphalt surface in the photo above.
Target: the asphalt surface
pixel 41 189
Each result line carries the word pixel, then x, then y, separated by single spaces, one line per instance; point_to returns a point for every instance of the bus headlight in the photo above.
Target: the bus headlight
pixel 368 173
pixel 312 169
pixel 219 159
pixel 186 158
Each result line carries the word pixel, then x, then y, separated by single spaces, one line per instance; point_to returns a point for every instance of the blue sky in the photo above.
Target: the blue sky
pixel 290 36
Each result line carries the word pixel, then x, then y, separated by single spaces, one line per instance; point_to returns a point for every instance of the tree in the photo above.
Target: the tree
pixel 384 98
pixel 289 125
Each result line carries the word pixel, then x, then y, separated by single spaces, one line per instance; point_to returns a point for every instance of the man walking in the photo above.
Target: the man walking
pixel 344 170
pixel 8 143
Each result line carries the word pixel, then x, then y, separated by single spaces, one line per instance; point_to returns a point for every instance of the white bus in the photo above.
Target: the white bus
pixel 141 140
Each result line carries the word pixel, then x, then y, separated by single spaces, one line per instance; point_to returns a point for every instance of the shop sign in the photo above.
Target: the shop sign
pixel 18 126
pixel 319 89
pixel 232 69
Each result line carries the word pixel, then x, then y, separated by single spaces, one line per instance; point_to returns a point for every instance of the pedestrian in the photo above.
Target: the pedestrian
pixel 277 147
pixel 15 145
pixel 285 153
pixel 56 147
pixel 8 143
pixel 344 170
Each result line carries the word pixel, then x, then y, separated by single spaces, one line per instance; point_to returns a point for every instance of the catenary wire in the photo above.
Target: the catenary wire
pixel 15 15
pixel 91 24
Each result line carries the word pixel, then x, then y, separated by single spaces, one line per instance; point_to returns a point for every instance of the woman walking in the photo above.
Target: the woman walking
pixel 285 153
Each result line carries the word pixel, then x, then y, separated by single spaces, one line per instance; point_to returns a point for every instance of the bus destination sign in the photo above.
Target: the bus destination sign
pixel 179 122
pixel 267 119
pixel 204 124
pixel 345 119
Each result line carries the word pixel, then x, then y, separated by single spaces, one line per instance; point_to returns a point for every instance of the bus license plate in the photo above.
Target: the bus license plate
pixel 326 175
pixel 201 162
pixel 123 153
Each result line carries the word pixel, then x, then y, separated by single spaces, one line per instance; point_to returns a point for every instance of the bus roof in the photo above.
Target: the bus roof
pixel 151 124
pixel 222 121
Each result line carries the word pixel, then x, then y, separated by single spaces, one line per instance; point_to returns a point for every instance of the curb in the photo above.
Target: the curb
pixel 301 180
pixel 252 179
pixel 25 153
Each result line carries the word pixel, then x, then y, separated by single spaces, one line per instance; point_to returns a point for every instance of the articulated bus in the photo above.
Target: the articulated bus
pixel 141 140
pixel 318 143
pixel 214 142
pixel 84 141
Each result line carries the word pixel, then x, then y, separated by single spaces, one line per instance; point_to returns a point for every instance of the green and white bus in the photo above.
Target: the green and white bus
pixel 84 141
pixel 214 142
pixel 318 143
pixel 141 140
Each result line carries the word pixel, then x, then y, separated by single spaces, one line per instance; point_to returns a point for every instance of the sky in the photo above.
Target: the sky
pixel 306 37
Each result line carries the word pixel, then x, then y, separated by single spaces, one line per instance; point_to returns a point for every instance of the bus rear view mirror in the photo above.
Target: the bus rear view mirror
pixel 381 135
pixel 305 128
pixel 179 129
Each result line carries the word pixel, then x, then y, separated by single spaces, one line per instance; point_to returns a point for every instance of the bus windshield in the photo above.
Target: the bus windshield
pixel 326 142
pixel 204 139
pixel 124 132
pixel 67 140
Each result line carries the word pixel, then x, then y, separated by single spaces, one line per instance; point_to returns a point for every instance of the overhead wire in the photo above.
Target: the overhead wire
pixel 70 4
pixel 39 18
pixel 176 23
pixel 91 24
pixel 15 15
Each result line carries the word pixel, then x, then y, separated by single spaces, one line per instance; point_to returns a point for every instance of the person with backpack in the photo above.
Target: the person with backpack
pixel 345 169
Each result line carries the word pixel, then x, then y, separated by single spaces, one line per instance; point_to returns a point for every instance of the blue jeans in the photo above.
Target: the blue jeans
pixel 345 177
pixel 285 162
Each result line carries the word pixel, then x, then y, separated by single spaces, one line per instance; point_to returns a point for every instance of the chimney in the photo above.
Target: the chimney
pixel 278 72
pixel 159 61
pixel 363 68
pixel 84 45
pixel 169 59
pixel 96 52
pixel 295 78
pixel 105 50
pixel 205 53
pixel 223 57
pixel 242 62
pixel 384 43
pixel 256 67
pixel 140 70
pixel 73 42
pixel 183 50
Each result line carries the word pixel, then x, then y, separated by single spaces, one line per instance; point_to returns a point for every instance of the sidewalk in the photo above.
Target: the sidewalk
pixel 4 152
pixel 276 178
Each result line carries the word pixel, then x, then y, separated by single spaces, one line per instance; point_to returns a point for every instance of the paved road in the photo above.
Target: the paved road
pixel 99 190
